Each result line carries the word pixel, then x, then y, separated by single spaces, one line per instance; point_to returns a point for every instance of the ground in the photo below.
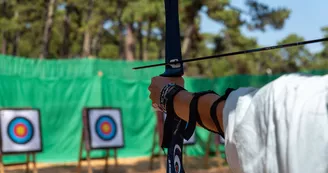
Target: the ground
pixel 133 165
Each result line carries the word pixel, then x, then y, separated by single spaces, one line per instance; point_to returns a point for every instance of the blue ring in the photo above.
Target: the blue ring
pixel 11 130
pixel 108 119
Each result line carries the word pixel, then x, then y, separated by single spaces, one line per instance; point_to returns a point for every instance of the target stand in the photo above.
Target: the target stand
pixel 20 134
pixel 218 141
pixel 102 130
pixel 159 132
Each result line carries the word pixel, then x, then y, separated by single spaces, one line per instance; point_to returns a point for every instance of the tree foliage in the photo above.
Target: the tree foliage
pixel 135 30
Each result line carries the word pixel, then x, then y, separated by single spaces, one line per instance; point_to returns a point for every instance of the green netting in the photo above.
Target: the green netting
pixel 61 88
pixel 72 68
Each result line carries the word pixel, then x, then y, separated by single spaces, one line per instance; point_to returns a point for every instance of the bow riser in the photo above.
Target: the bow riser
pixel 172 40
pixel 173 126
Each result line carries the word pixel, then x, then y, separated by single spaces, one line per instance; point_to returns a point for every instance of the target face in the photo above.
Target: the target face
pixel 20 131
pixel 104 128
pixel 192 139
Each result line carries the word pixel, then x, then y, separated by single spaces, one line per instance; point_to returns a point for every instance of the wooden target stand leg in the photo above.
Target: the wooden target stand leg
pixel 27 162
pixel 106 161
pixel 27 168
pixel 80 155
pixel 207 151
pixel 2 168
pixel 185 159
pixel 158 131
pixel 35 170
pixel 81 159
pixel 185 155
pixel 107 156
pixel 218 153
pixel 88 158
pixel 153 154
pixel 220 161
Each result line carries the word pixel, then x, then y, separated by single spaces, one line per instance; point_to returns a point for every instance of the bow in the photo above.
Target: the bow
pixel 174 127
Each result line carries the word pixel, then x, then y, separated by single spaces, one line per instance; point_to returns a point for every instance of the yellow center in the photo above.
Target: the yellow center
pixel 106 128
pixel 20 130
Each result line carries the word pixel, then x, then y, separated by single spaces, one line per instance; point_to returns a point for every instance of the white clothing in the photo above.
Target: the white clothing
pixel 279 128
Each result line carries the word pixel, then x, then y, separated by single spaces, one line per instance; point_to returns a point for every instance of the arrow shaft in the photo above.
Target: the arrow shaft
pixel 238 53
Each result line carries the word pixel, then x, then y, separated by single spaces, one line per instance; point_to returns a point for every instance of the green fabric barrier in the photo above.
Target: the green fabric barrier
pixel 71 68
pixel 61 88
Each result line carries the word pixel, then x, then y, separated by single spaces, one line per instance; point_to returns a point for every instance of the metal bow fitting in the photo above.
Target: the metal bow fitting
pixel 175 129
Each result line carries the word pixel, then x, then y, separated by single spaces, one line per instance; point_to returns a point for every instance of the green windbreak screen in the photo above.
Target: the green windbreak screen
pixel 61 88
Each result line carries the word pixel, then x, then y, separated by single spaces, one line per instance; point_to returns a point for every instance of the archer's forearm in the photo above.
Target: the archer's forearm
pixel 181 106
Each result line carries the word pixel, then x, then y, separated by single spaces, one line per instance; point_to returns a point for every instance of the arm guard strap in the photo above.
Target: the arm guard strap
pixel 193 110
pixel 213 110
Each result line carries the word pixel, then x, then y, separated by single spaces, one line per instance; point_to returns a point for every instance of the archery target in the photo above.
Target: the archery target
pixel 20 131
pixel 105 128
pixel 192 139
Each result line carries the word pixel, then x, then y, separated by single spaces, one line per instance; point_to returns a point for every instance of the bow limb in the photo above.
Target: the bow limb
pixel 173 126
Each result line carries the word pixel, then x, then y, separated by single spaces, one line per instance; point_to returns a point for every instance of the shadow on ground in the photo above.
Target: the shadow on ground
pixel 191 165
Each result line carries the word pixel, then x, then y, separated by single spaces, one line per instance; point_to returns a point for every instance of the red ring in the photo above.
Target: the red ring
pixel 104 130
pixel 16 128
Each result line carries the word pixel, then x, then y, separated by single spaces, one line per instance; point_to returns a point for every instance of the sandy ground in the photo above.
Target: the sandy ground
pixel 131 165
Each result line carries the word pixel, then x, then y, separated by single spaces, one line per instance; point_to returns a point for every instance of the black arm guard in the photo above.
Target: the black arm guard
pixel 194 114
pixel 194 108
pixel 213 110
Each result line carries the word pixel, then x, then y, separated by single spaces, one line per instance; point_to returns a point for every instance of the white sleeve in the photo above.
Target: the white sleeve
pixel 237 100
pixel 279 128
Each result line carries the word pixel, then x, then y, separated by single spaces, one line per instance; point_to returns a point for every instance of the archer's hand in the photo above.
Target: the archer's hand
pixel 157 84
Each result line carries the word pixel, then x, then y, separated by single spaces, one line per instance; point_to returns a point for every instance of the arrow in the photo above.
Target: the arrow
pixel 235 53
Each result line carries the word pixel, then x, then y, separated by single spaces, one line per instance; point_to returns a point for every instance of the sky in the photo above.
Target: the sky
pixel 306 19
